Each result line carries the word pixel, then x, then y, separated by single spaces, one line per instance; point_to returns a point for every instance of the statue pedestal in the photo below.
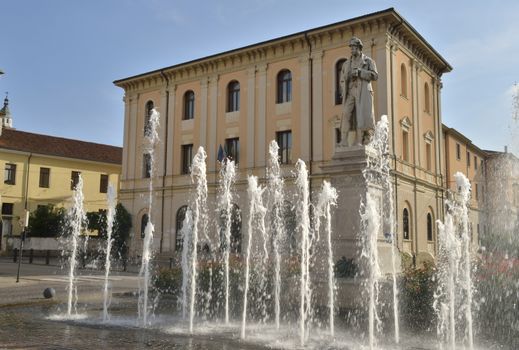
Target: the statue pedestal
pixel 345 172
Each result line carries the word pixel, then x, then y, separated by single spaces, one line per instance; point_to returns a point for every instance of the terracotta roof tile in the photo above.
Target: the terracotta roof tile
pixel 57 146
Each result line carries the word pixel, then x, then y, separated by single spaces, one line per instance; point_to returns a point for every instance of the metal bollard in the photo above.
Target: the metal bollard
pixel 31 255
pixel 15 255
pixel 170 263
pixel 47 258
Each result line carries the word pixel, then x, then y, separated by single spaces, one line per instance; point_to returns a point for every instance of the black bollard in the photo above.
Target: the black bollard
pixel 15 254
pixel 47 258
pixel 31 255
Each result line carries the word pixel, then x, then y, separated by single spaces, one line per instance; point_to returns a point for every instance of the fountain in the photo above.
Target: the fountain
pixel 151 138
pixel 297 302
pixel 454 296
pixel 110 213
pixel 227 175
pixel 76 218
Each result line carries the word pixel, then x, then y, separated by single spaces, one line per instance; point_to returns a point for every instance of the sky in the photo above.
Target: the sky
pixel 60 57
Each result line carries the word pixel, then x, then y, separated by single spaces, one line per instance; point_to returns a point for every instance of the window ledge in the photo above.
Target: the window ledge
pixel 283 108
pixel 187 124
pixel 232 117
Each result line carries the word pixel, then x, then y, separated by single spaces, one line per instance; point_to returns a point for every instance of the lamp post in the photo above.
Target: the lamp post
pixel 22 239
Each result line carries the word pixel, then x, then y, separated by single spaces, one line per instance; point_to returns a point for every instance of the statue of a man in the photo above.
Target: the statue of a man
pixel 358 117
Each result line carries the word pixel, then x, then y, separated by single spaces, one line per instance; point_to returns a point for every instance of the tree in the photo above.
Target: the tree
pixel 121 231
pixel 46 221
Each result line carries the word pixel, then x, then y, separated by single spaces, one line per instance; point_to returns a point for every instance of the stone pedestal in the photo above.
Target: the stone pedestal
pixel 345 172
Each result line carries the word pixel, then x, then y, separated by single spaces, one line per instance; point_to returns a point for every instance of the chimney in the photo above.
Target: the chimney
pixel 506 149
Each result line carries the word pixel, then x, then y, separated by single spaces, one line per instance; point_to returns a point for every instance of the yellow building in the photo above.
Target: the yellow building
pixel 42 169
pixel 286 89
pixel 461 155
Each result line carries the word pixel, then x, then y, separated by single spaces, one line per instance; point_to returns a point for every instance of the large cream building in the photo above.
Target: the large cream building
pixel 287 89
pixel 41 170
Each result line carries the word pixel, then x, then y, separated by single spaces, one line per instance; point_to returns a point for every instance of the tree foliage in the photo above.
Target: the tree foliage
pixel 46 221
pixel 120 231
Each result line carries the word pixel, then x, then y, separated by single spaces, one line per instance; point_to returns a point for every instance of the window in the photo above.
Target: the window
pixel 468 158
pixel 405 223
pixel 284 140
pixel 10 174
pixel 475 163
pixel 179 239
pixel 338 70
pixel 405 146
pixel 476 191
pixel 458 151
pixel 189 105
pixel 103 183
pixel 7 209
pixel 427 98
pixel 403 80
pixel 144 222
pixel 74 179
pixel 7 219
pixel 428 157
pixel 429 227
pixel 284 86
pixel 187 158
pixel 233 96
pixel 232 149
pixel 235 229
pixel 147 118
pixel 44 177
pixel 146 165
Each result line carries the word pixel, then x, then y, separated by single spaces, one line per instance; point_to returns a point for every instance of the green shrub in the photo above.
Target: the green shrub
pixel 417 287
pixel 346 268
pixel 168 281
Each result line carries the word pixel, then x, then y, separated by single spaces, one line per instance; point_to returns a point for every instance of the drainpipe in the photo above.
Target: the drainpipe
pixel 391 63
pixel 165 161
pixel 26 200
pixel 310 80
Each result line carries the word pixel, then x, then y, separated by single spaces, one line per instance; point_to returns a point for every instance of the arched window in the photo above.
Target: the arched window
pixel 429 227
pixel 147 118
pixel 144 222
pixel 233 96
pixel 189 105
pixel 403 80
pixel 179 239
pixel 405 223
pixel 236 236
pixel 338 69
pixel 284 86
pixel 427 98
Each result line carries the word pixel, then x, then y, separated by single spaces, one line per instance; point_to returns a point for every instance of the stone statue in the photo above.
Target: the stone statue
pixel 358 117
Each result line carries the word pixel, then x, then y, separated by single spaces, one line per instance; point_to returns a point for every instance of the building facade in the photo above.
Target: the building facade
pixel 286 89
pixel 41 170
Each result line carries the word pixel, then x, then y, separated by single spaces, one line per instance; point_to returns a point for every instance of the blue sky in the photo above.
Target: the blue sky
pixel 61 56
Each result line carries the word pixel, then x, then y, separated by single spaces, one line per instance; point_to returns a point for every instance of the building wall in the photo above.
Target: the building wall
pixel 58 193
pixel 312 115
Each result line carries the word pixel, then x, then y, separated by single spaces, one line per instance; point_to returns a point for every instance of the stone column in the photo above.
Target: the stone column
pixel 213 123
pixel 261 117
pixel 304 118
pixel 134 138
pixel 204 83
pixel 251 94
pixel 317 109
pixel 126 137
pixel 171 131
